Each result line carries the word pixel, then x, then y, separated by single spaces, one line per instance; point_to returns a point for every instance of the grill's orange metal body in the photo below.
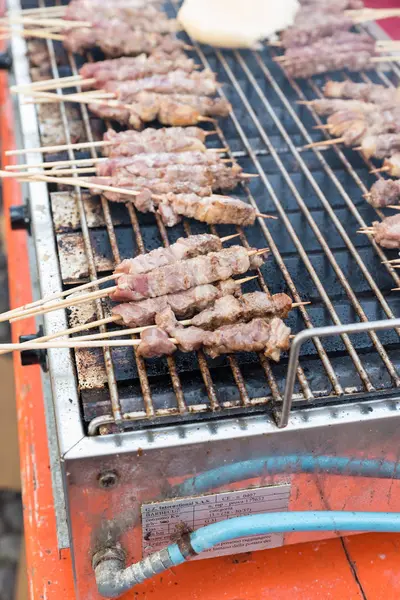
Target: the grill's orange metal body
pixel 359 567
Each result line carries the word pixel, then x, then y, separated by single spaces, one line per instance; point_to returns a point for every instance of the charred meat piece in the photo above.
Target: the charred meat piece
pixel 228 310
pixel 155 342
pixel 199 83
pixel 183 275
pixel 384 193
pixel 366 92
pixel 387 232
pixel 183 304
pixel 182 249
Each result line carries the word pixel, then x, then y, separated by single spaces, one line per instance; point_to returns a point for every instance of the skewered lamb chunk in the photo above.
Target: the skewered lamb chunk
pixel 259 335
pixel 116 38
pixel 155 343
pixel 380 146
pixel 174 139
pixel 148 18
pixel 384 193
pixel 392 165
pixel 353 61
pixel 366 92
pixel 134 67
pixel 310 30
pixel 169 109
pixel 137 164
pixel 229 310
pixel 185 274
pixel 325 106
pixel 83 10
pixel 214 209
pixel 374 122
pixel 183 304
pixel 182 249
pixel 332 4
pixel 198 83
pixel 342 41
pixel 387 232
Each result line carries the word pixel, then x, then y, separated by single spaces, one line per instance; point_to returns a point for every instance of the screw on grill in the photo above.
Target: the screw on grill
pixel 108 479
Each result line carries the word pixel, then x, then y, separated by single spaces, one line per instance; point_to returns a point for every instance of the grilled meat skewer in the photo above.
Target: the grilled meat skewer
pixel 380 146
pixel 169 109
pixel 353 60
pixel 345 41
pixel 131 68
pixel 171 139
pixel 139 17
pixel 309 30
pixel 229 310
pixel 387 232
pixel 366 92
pixel 326 106
pixel 384 193
pixel 139 163
pixel 198 83
pixel 259 335
pixel 186 274
pixel 183 249
pixel 116 38
pixel 183 304
pixel 392 165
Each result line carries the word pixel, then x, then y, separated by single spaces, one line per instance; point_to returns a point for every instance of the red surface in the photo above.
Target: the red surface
pixel 305 571
pixel 390 26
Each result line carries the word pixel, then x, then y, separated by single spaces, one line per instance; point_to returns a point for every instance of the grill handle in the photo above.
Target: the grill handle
pixel 33 357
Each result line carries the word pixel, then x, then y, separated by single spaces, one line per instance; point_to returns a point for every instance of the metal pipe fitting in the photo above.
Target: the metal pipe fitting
pixel 113 578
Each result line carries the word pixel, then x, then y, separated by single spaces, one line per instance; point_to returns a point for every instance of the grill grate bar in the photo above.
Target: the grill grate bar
pixel 351 295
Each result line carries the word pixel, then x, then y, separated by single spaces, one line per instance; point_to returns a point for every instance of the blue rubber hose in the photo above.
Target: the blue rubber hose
pixel 291 463
pixel 210 535
pixel 113 578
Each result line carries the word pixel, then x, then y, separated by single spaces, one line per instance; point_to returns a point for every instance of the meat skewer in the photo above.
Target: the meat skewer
pixel 380 146
pixel 366 92
pixel 391 165
pixel 168 279
pixel 386 233
pixel 384 192
pixel 130 142
pixel 169 109
pixel 259 335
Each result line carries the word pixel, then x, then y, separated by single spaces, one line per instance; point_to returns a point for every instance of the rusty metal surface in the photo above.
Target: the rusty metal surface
pixel 316 256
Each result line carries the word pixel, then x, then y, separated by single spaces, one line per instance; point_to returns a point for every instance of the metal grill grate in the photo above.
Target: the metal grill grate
pixel 316 256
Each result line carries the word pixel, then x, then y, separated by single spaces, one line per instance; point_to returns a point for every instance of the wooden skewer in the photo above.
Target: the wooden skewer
pixel 391 262
pixel 82 97
pixel 4 348
pixel 46 10
pixel 324 143
pixel 39 84
pixel 56 163
pixel 389 58
pixel 60 148
pixel 380 170
pixel 48 22
pixel 64 82
pixel 96 282
pixel 395 207
pixel 47 35
pixel 62 172
pixel 83 298
pixel 326 126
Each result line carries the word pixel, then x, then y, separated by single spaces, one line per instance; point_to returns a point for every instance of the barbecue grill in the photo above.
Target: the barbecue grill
pixel 149 448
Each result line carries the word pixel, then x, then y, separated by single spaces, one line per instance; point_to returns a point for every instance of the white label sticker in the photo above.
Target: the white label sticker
pixel 162 522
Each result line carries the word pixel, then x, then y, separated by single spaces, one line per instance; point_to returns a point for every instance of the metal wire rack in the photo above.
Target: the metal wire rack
pixel 316 255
